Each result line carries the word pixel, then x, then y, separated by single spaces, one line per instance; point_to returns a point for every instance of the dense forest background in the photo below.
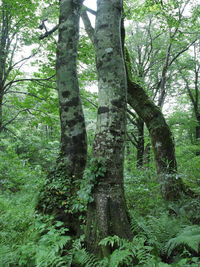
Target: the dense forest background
pixel 68 199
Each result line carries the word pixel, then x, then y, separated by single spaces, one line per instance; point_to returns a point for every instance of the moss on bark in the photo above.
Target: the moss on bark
pixel 63 182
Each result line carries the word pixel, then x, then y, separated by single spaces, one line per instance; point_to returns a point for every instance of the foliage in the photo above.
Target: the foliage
pixel 129 252
pixel 165 234
pixel 188 238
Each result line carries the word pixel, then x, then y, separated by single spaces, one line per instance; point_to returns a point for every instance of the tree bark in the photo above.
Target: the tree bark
pixel 1 110
pixel 107 214
pixel 162 141
pixel 4 37
pixel 140 143
pixel 146 158
pixel 161 137
pixel 197 131
pixel 63 183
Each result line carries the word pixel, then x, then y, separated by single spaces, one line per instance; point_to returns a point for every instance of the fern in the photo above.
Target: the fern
pixel 157 231
pixel 128 252
pixel 85 258
pixel 119 257
pixel 189 237
pixel 111 241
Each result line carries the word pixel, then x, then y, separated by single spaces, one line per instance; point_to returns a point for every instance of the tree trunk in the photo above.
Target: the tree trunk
pixel 140 143
pixel 1 110
pixel 197 134
pixel 161 137
pixel 162 141
pixel 63 183
pixel 146 159
pixel 107 214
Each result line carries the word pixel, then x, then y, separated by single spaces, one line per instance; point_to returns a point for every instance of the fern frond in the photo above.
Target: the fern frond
pixel 120 257
pixel 111 241
pixel 84 258
pixel 189 237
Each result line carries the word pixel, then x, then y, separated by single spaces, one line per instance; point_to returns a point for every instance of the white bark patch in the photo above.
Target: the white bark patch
pixel 109 50
pixel 158 144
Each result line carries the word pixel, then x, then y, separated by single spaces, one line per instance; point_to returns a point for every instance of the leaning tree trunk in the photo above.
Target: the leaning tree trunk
pixel 107 214
pixel 162 141
pixel 63 182
pixel 161 137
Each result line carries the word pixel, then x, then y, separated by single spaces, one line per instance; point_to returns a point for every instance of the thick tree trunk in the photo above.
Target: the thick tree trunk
pixel 107 214
pixel 63 183
pixel 73 131
pixel 164 150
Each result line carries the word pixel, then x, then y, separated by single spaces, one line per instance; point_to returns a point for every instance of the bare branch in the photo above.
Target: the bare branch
pixel 88 100
pixel 88 26
pixel 48 33
pixel 27 80
pixel 14 118
pixel 93 12
pixel 181 52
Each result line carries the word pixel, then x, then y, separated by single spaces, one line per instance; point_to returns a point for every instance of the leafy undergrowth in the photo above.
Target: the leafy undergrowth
pixel 164 235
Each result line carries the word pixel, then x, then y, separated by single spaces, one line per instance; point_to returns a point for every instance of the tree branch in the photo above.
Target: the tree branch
pixel 93 12
pixel 14 118
pixel 26 93
pixel 88 26
pixel 27 80
pixel 48 33
pixel 181 52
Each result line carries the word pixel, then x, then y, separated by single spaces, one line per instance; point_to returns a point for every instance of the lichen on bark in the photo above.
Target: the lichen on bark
pixel 64 181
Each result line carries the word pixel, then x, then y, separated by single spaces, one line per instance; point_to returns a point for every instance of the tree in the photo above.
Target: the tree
pixel 162 140
pixel 63 182
pixel 152 65
pixel 147 55
pixel 14 32
pixel 107 214
pixel 189 73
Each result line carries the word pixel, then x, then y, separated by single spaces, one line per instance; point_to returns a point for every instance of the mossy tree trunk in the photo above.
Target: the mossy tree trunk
pixel 64 181
pixel 107 214
pixel 162 141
